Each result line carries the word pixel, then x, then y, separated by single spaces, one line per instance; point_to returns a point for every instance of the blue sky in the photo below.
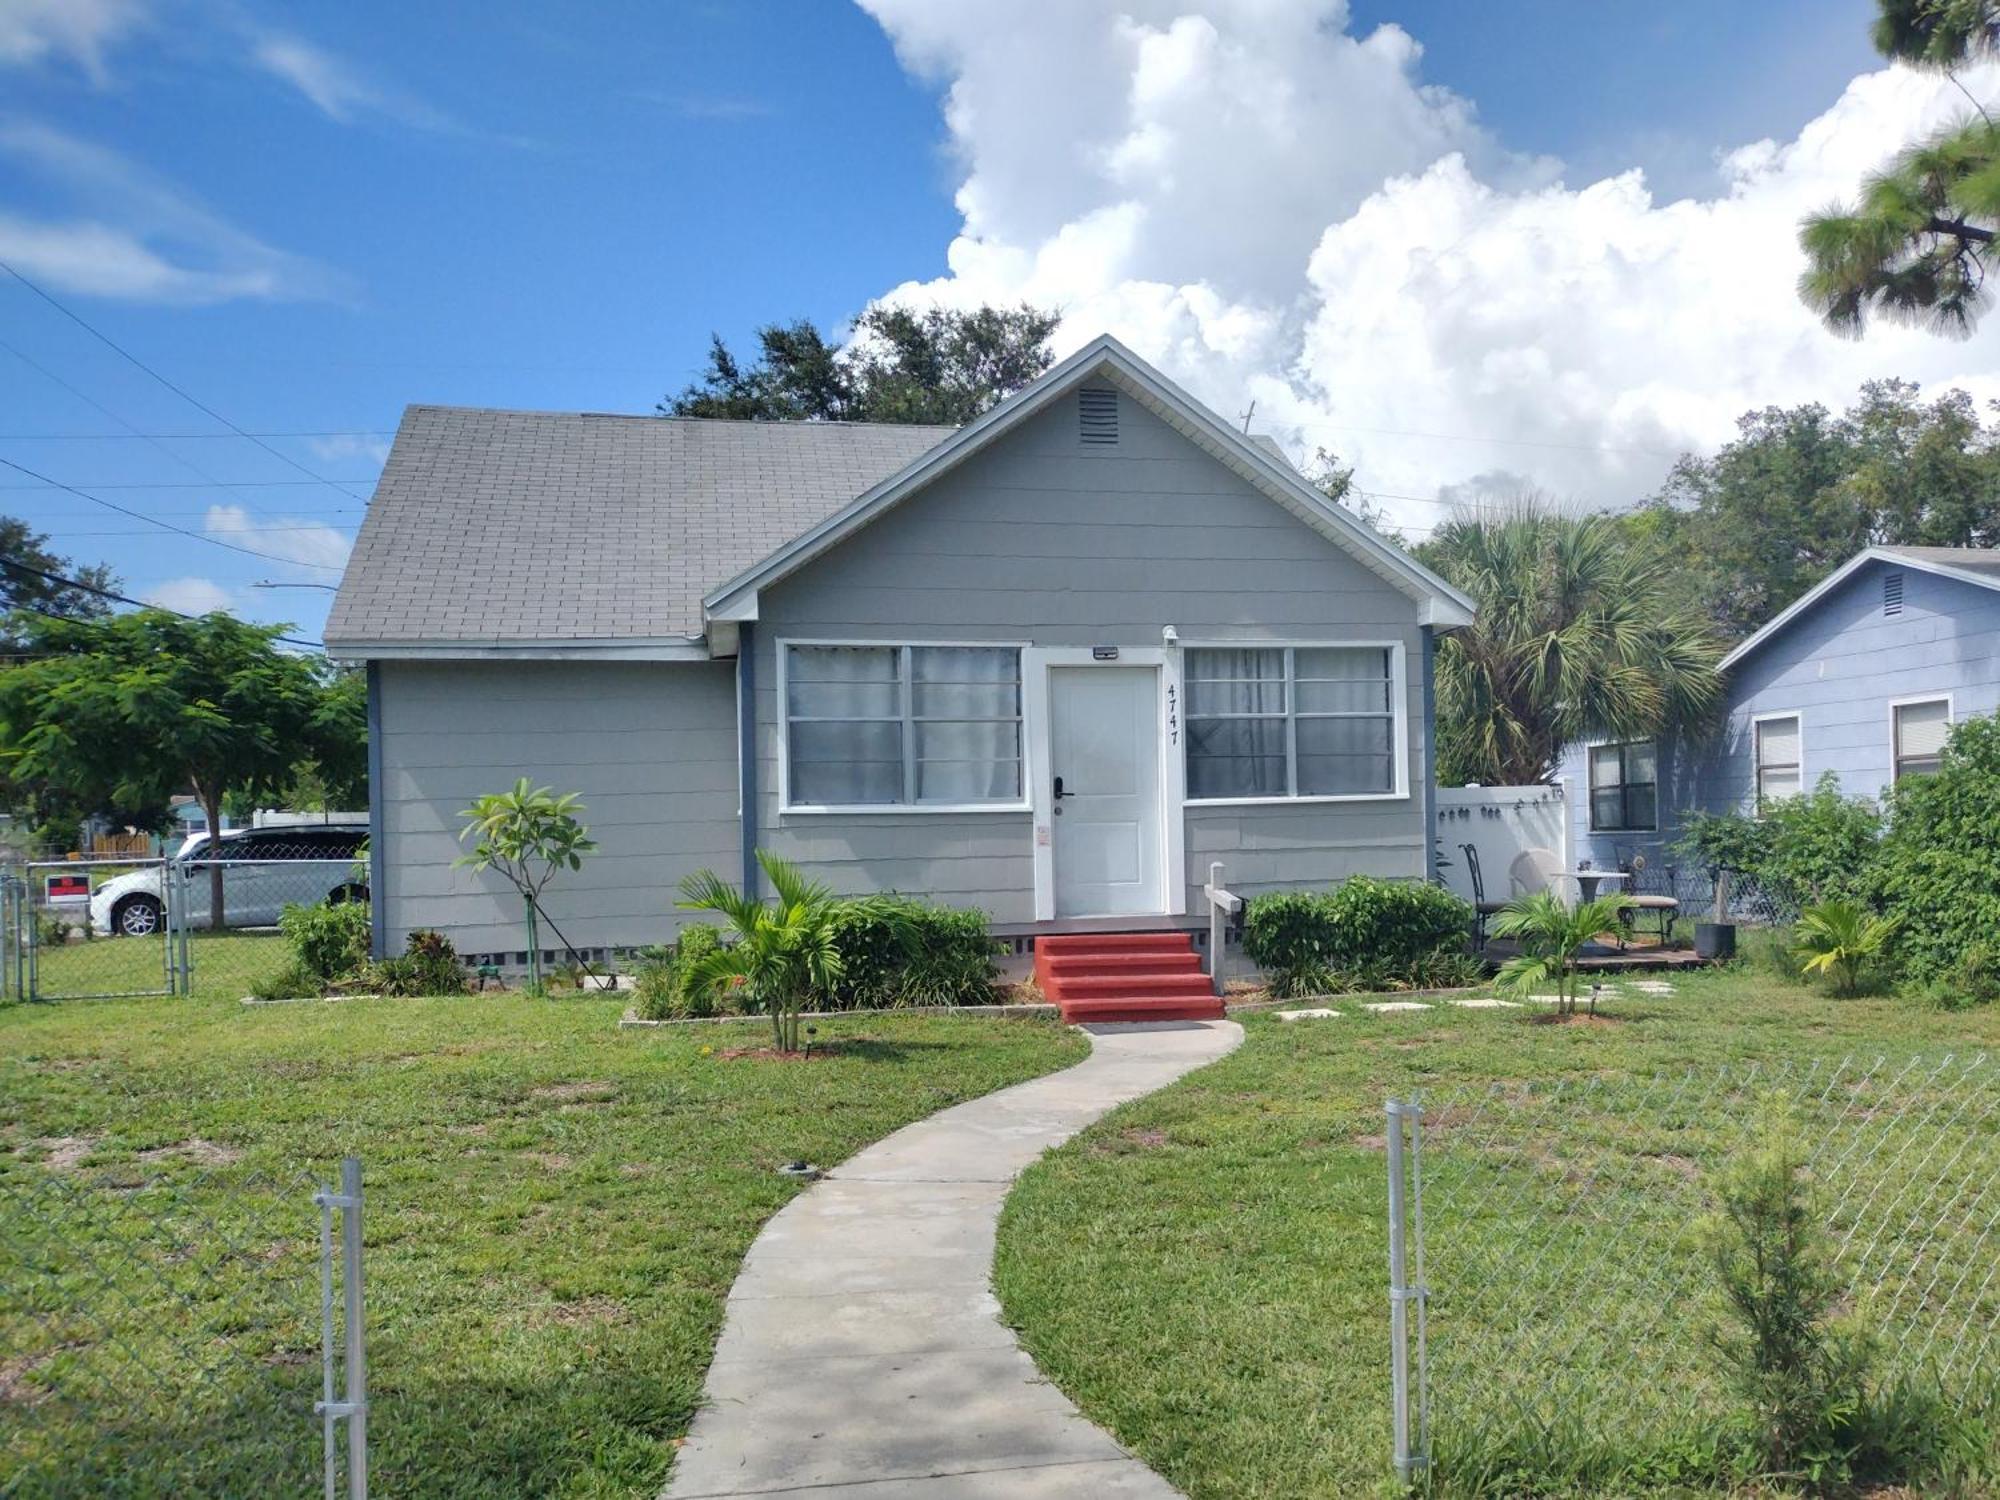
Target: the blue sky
pixel 309 216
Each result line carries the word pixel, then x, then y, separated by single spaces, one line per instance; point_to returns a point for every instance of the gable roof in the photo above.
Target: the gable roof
pixel 572 534
pixel 548 530
pixel 1979 566
pixel 1104 358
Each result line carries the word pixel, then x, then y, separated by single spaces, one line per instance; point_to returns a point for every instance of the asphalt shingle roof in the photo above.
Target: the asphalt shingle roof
pixel 493 526
pixel 1966 559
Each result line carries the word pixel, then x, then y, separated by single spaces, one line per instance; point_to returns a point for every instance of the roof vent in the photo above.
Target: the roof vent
pixel 1892 592
pixel 1097 417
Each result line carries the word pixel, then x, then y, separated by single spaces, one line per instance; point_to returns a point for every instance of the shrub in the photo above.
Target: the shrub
pixel 1939 871
pixel 330 941
pixel 293 982
pixel 895 950
pixel 436 964
pixel 1839 939
pixel 659 993
pixel 1820 846
pixel 1973 979
pixel 1374 932
pixel 1802 1374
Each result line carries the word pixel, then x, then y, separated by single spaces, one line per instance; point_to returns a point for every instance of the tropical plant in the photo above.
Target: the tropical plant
pixel 784 951
pixel 1838 939
pixel 329 940
pixel 1552 935
pixel 527 834
pixel 1580 631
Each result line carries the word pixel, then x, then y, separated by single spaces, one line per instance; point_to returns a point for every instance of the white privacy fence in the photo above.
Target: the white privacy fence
pixel 1501 823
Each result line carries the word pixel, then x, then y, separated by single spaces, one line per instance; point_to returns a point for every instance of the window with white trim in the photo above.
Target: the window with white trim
pixel 1291 721
pixel 1778 759
pixel 891 726
pixel 1919 731
pixel 1625 788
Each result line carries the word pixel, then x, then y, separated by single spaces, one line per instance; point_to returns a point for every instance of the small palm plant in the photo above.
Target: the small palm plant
pixel 1837 939
pixel 1551 935
pixel 783 952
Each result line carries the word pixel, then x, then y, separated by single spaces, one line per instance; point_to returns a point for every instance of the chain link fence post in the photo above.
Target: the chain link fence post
pixel 351 1406
pixel 1409 1435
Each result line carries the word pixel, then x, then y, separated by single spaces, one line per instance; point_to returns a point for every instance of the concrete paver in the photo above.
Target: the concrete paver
pixel 862 1355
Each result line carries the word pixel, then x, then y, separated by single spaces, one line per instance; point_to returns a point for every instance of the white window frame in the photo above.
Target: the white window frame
pixel 1590 784
pixel 788 808
pixel 1913 701
pixel 1399 716
pixel 1757 754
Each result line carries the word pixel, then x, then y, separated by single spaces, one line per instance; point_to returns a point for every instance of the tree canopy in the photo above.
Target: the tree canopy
pixel 1581 630
pixel 1801 490
pixel 935 366
pixel 1916 245
pixel 128 711
pixel 31 577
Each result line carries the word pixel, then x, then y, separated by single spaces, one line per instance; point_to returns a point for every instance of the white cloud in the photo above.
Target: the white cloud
pixel 133 235
pixel 35 31
pixel 1273 209
pixel 191 596
pixel 322 548
pixel 351 446
pixel 336 88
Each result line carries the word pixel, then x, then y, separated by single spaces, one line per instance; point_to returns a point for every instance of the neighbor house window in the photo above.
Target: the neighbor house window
pixel 896 726
pixel 1919 731
pixel 1624 787
pixel 1778 759
pixel 1291 721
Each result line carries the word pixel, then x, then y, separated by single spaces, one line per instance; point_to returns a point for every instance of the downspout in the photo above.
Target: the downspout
pixel 746 754
pixel 378 864
pixel 1429 672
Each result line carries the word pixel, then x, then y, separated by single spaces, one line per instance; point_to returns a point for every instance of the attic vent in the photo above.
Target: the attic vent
pixel 1892 592
pixel 1097 416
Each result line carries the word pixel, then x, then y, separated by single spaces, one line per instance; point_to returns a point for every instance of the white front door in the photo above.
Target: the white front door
pixel 1104 755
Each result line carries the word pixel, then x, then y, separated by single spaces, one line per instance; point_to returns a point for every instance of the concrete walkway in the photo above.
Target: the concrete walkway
pixel 863 1357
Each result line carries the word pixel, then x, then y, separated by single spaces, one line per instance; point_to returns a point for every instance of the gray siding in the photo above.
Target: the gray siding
pixel 651 746
pixel 1838 666
pixel 1042 541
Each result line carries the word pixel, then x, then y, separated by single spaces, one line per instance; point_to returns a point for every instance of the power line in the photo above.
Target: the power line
pixel 190 484
pixel 91 588
pixel 243 530
pixel 125 510
pixel 201 406
pixel 180 437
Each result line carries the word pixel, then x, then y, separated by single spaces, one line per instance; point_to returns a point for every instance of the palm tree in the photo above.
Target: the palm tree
pixel 1837 938
pixel 1582 629
pixel 782 953
pixel 1551 934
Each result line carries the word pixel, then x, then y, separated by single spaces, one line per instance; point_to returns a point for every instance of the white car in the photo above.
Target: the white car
pixel 263 871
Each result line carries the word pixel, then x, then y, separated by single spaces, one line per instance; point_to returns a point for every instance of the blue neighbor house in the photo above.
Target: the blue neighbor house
pixel 1863 676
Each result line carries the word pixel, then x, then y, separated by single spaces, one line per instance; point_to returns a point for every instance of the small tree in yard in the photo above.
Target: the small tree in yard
pixel 1551 935
pixel 527 834
pixel 128 711
pixel 783 952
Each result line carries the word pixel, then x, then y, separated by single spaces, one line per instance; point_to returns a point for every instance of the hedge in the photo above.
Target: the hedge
pixel 1366 933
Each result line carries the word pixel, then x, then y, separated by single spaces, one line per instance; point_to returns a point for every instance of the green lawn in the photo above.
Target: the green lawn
pixel 556 1210
pixel 225 964
pixel 1204 1271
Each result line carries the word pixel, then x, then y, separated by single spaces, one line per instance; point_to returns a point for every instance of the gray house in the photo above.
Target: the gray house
pixel 1050 664
pixel 1863 676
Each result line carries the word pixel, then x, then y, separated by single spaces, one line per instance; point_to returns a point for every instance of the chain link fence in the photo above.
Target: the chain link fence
pixel 1554 1300
pixel 108 929
pixel 177 1322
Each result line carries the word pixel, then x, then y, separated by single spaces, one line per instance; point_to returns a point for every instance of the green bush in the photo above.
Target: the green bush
pixel 436 965
pixel 659 994
pixel 1819 846
pixel 1973 979
pixel 330 940
pixel 895 951
pixel 1939 871
pixel 1367 933
pixel 293 982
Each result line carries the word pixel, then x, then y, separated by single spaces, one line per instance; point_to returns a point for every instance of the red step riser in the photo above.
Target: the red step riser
pixel 1121 963
pixel 1133 987
pixel 1084 1011
pixel 1114 942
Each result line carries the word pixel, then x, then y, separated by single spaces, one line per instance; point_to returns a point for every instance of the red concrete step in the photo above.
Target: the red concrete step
pixel 1114 942
pixel 1082 965
pixel 1128 986
pixel 1168 1008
